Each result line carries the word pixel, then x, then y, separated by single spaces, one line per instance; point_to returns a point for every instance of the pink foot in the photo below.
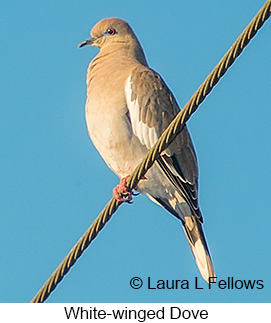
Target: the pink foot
pixel 121 193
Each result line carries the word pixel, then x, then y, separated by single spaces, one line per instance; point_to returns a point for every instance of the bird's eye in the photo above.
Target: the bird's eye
pixel 111 31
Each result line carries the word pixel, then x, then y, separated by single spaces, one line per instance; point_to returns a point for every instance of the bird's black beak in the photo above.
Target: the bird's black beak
pixel 89 42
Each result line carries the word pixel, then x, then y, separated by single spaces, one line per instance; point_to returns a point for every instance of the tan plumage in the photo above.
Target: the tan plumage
pixel 128 107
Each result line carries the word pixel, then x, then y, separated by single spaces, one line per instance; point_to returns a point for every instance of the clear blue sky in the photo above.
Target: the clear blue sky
pixel 54 184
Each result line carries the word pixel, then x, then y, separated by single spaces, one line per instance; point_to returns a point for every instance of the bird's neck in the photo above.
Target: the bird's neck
pixel 121 52
pixel 115 62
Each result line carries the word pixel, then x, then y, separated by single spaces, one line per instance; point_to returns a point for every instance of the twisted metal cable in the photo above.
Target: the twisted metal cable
pixel 164 141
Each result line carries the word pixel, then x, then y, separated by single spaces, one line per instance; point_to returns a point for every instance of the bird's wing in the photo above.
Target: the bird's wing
pixel 152 107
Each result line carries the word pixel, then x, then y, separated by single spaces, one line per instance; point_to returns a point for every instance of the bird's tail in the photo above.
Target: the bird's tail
pixel 195 236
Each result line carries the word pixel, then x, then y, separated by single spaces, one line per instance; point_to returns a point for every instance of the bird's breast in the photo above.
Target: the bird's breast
pixel 106 111
pixel 110 130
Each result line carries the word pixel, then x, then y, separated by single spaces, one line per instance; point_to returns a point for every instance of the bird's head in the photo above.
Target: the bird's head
pixel 110 33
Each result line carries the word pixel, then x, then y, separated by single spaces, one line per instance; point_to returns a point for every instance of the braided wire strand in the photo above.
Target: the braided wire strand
pixel 164 141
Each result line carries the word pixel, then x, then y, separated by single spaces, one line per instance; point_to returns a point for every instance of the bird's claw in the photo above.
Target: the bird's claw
pixel 121 193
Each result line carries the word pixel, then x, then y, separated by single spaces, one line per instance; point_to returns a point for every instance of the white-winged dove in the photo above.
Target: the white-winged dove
pixel 128 107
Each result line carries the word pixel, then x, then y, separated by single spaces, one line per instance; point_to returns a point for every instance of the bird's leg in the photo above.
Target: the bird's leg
pixel 121 193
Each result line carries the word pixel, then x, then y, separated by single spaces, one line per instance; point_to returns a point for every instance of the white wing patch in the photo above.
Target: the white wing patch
pixel 147 135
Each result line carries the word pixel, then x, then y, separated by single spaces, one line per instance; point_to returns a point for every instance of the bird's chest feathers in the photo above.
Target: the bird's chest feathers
pixel 110 131
pixel 104 125
pixel 107 117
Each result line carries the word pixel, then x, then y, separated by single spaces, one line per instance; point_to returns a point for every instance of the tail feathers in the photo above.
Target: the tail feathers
pixel 195 236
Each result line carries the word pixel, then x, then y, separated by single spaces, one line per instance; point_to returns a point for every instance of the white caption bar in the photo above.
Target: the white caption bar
pixel 134 312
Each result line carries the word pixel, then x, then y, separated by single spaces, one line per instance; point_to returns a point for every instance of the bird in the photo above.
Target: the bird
pixel 128 106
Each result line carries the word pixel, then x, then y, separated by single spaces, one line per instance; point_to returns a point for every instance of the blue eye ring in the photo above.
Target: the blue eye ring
pixel 111 31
